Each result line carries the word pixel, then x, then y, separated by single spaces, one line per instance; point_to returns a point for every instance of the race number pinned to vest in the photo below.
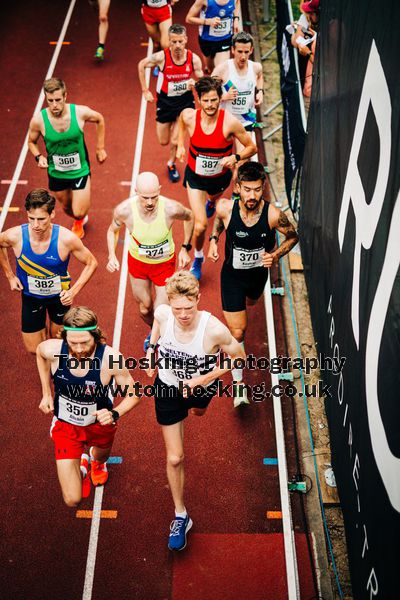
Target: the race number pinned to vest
pixel 75 412
pixel 208 165
pixel 44 286
pixel 242 103
pixel 156 251
pixel 157 3
pixel 247 259
pixel 221 30
pixel 177 88
pixel 67 162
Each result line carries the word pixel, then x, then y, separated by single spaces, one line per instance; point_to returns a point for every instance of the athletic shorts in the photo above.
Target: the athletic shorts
pixel 212 48
pixel 157 273
pixel 211 185
pixel 239 284
pixel 57 184
pixel 168 110
pixel 33 314
pixel 172 407
pixel 152 16
pixel 70 440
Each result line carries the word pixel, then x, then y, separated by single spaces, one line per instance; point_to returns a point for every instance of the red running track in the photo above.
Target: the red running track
pixel 234 551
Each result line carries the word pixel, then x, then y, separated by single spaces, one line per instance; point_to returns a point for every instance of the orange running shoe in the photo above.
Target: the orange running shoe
pixel 85 475
pixel 77 227
pixel 99 472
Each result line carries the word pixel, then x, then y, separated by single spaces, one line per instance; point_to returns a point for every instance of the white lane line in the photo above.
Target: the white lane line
pixel 24 149
pixel 292 576
pixel 98 497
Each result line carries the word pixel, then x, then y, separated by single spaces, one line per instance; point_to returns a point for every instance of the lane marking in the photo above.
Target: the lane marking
pixel 104 514
pixel 62 43
pixel 126 183
pixel 10 209
pixel 270 461
pixel 19 182
pixel 98 497
pixel 24 149
pixel 274 514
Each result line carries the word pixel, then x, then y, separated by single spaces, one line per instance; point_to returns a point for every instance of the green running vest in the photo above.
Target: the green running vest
pixel 66 151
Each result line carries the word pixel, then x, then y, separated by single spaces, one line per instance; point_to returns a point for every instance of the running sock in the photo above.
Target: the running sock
pixel 182 515
pixel 170 163
pixel 237 374
pixel 198 254
pixel 101 45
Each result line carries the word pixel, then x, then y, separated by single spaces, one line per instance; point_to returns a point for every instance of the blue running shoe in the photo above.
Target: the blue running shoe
pixel 156 71
pixel 179 528
pixel 173 173
pixel 147 343
pixel 210 208
pixel 196 267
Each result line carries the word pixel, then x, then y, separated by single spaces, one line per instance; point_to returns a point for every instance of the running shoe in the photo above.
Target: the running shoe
pixel 99 54
pixel 78 225
pixel 156 71
pixel 240 396
pixel 173 173
pixel 98 471
pixel 146 342
pixel 210 208
pixel 196 267
pixel 85 475
pixel 178 530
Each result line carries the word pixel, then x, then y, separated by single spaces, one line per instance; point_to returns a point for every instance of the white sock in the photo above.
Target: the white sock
pixel 199 254
pixel 182 515
pixel 170 163
pixel 237 374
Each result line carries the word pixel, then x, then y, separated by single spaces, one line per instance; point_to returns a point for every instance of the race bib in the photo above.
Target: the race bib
pixel 75 412
pixel 221 30
pixel 243 102
pixel 177 88
pixel 208 165
pixel 155 252
pixel 67 162
pixel 44 286
pixel 156 3
pixel 247 259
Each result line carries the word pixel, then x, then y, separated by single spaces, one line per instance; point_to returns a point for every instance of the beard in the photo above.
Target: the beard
pixel 81 356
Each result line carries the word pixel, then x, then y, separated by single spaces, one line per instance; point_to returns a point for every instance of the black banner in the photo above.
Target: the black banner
pixel 293 133
pixel 350 239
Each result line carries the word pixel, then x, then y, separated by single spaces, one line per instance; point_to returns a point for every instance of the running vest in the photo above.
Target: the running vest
pixel 77 398
pixel 172 80
pixel 66 151
pixel 207 150
pixel 156 3
pixel 243 106
pixel 42 275
pixel 224 29
pixel 245 245
pixel 151 243
pixel 183 361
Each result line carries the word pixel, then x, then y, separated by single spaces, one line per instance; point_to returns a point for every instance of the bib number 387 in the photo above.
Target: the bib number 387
pixel 208 165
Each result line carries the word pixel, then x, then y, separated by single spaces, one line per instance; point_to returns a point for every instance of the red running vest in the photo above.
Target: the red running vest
pixel 170 79
pixel 207 150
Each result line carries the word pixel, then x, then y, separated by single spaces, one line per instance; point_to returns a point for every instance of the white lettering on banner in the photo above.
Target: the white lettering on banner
pixel 373 584
pixel 375 93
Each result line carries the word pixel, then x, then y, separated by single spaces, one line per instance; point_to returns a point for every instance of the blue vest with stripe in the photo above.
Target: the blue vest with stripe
pixel 42 267
pixel 216 10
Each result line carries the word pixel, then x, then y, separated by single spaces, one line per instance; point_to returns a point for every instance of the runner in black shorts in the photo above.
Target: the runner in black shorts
pixel 250 248
pixel 210 49
pixel 42 250
pixel 188 342
pixel 57 184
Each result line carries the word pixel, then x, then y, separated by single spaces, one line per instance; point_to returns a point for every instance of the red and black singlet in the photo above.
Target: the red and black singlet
pixel 207 150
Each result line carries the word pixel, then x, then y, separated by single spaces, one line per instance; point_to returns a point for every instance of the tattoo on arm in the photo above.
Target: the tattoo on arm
pixel 218 227
pixel 291 237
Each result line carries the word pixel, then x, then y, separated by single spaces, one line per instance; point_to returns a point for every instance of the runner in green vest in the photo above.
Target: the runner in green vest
pixel 61 126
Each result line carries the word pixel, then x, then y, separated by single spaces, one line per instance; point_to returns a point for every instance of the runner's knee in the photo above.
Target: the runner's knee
pixel 200 227
pixel 198 412
pixel 238 333
pixel 145 309
pixel 71 500
pixel 103 19
pixel 174 460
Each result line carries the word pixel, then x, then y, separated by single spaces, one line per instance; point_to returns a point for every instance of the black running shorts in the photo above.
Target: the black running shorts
pixel 172 407
pixel 211 185
pixel 58 184
pixel 169 109
pixel 212 48
pixel 239 284
pixel 34 310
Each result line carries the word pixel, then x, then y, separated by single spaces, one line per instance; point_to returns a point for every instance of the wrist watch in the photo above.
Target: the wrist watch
pixel 115 415
pixel 152 346
pixel 187 247
pixel 238 157
pixel 37 157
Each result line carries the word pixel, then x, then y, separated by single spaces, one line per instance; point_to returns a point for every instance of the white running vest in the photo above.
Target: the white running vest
pixel 243 105
pixel 183 361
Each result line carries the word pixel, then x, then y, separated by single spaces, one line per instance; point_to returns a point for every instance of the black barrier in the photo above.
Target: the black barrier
pixel 350 240
pixel 293 133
